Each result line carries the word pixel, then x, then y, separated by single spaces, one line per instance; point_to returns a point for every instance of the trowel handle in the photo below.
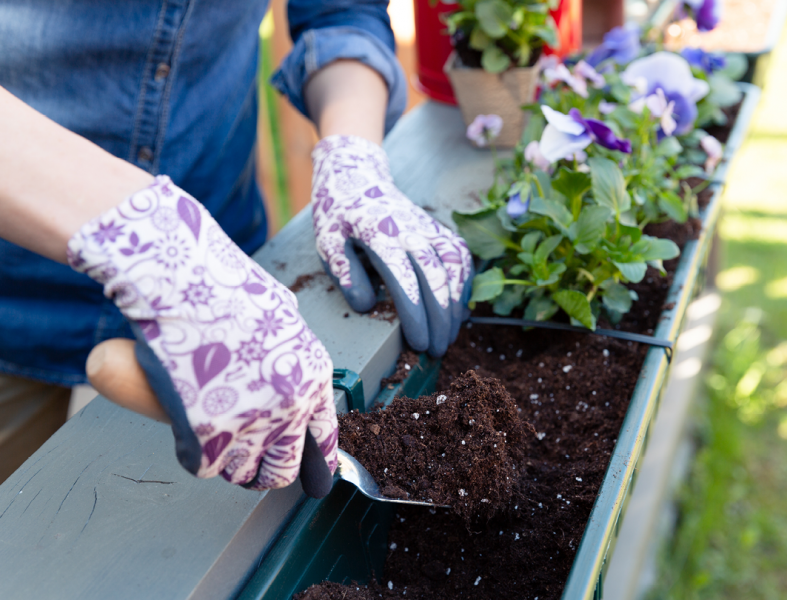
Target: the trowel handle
pixel 113 370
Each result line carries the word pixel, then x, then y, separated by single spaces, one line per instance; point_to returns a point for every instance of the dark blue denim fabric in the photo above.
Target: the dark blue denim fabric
pixel 170 86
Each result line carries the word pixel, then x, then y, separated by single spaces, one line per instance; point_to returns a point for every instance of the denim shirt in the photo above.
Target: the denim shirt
pixel 168 85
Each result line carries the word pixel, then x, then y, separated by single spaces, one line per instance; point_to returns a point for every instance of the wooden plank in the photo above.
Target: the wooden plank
pixel 103 509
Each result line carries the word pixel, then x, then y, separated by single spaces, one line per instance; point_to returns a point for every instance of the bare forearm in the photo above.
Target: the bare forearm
pixel 52 181
pixel 348 98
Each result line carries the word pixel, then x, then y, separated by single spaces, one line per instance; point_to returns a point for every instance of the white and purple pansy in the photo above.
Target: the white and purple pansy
pixel 714 150
pixel 484 129
pixel 578 80
pixel 566 135
pixel 672 74
pixel 659 107
pixel 621 45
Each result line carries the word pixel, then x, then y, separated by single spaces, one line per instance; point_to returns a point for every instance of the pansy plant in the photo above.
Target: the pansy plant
pixel 608 151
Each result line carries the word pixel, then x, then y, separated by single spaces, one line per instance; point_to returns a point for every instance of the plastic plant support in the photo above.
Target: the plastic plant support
pixel 350 383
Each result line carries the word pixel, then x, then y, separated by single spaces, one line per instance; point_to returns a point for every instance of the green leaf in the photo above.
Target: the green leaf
pixel 494 60
pixel 488 285
pixel 686 171
pixel 545 248
pixel 554 271
pixel 632 271
pixel 505 219
pixel 736 66
pixel 548 34
pixel 479 40
pixel 660 249
pixel 483 232
pixel 589 228
pixel 620 92
pixel 624 117
pixel 616 297
pixel 633 232
pixel 576 306
pixel 512 296
pixel 529 241
pixel 540 308
pixel 571 183
pixel 534 129
pixel 673 205
pixel 669 146
pixel 494 17
pixel 723 91
pixel 526 258
pixel 609 186
pixel 628 218
pixel 554 210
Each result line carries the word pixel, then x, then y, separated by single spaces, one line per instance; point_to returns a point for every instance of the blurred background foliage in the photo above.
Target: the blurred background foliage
pixel 731 536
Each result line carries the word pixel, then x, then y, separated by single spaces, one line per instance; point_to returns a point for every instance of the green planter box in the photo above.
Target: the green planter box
pixel 343 537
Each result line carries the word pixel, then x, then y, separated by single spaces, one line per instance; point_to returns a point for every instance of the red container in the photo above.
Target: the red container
pixel 432 44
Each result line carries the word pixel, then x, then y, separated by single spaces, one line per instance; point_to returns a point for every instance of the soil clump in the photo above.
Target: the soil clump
pixel 462 447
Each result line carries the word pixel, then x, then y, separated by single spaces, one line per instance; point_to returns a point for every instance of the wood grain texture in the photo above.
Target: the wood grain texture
pixel 103 509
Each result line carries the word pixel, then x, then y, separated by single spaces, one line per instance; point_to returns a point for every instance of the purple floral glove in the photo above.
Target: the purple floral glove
pixel 233 363
pixel 426 267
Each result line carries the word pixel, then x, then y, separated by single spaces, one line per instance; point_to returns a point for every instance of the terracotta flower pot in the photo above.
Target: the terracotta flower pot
pixel 481 93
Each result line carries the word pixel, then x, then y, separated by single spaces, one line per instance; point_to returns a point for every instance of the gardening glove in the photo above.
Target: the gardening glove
pixel 427 268
pixel 231 360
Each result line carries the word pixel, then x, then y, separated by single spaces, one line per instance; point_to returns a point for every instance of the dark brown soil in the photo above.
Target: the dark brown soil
pixel 722 132
pixel 336 591
pixel 307 280
pixel 384 310
pixel 704 195
pixel 461 447
pixel 408 360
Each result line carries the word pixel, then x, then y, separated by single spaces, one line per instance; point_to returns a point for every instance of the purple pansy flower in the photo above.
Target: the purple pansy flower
pixel 517 206
pixel 584 70
pixel 566 135
pixel 672 74
pixel 707 61
pixel 621 44
pixel 707 13
pixel 484 129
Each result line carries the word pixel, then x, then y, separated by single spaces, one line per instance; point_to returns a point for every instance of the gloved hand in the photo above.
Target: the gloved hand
pixel 234 365
pixel 427 268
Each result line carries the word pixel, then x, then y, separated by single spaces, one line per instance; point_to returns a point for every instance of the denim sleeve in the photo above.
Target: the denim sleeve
pixel 327 30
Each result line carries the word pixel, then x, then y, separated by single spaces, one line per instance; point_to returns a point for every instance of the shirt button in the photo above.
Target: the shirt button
pixel 162 71
pixel 145 154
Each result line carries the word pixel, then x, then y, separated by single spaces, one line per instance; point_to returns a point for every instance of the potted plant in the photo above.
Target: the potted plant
pixel 493 69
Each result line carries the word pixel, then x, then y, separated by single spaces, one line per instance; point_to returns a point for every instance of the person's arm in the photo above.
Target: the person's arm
pixel 348 98
pixel 53 180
